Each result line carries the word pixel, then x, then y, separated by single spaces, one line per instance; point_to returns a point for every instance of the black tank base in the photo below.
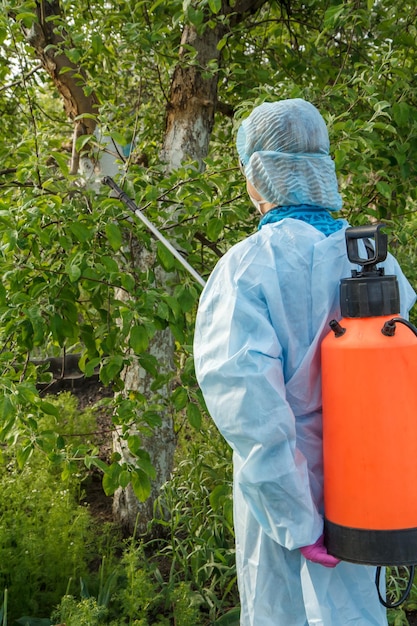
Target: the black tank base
pixel 371 547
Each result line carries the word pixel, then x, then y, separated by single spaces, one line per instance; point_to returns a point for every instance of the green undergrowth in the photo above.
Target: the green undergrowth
pixel 48 539
pixel 185 574
pixel 61 565
pixel 397 579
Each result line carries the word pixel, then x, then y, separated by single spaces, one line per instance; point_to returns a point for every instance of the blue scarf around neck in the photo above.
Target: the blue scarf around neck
pixel 316 216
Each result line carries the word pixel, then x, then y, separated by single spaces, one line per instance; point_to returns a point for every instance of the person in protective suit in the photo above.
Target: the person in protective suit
pixel 260 322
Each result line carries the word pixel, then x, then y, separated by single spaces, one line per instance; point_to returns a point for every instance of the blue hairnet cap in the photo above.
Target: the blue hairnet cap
pixel 284 149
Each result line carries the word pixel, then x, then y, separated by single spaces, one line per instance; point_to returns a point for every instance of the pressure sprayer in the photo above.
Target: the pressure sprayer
pixel 369 383
pixel 121 195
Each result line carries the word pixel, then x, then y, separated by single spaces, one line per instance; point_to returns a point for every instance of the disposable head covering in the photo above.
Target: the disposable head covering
pixel 284 149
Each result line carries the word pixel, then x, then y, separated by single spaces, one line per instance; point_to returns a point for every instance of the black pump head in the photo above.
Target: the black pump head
pixel 369 293
pixel 375 254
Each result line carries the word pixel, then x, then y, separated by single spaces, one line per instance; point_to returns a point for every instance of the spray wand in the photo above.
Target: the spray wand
pixel 121 195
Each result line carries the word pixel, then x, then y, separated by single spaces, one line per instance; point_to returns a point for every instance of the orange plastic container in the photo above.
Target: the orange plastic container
pixel 370 442
pixel 369 387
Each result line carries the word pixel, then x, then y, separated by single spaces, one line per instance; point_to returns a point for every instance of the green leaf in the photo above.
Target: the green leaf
pixel 3 34
pixel 401 113
pixel 194 415
pixel 23 454
pixel 49 408
pixel 195 16
pixel 38 326
pixel 89 367
pixel 215 5
pixel 179 398
pixel 149 363
pixel 138 339
pixel 332 14
pixel 186 296
pixel 110 264
pixel 165 257
pixel 218 495
pixel 26 392
pixel 384 188
pixel 81 232
pixel 74 272
pixel 124 478
pixel 178 333
pixel 128 282
pixel 231 618
pixel 134 443
pixel 109 484
pixel 73 266
pixel 339 158
pixel 111 478
pixel 381 105
pixel 152 418
pixel 93 460
pixel 74 55
pixel 141 485
pixel 62 160
pixel 214 229
pixel 27 334
pixel 111 369
pixel 97 43
pixel 26 17
pixel 384 126
pixel 57 328
pixel 143 461
pixel 173 305
pixel 119 138
pixel 114 235
pixel 82 141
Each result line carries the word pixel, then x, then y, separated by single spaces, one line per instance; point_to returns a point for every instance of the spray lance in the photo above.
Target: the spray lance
pixel 369 373
pixel 121 195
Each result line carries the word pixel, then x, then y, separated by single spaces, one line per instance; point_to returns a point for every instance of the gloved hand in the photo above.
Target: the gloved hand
pixel 317 553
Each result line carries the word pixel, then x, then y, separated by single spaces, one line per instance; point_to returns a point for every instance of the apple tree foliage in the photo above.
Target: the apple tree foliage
pixel 66 245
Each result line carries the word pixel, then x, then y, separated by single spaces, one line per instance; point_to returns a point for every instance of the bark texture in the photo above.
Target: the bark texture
pixel 49 46
pixel 131 514
pixel 193 95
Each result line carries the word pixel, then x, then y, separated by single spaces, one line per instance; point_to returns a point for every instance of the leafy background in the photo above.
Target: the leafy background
pixel 66 248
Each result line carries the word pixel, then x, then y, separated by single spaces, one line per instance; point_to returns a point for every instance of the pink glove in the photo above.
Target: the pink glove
pixel 317 553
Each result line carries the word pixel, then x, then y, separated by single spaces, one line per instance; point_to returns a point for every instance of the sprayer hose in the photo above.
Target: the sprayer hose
pixel 391 325
pixel 403 598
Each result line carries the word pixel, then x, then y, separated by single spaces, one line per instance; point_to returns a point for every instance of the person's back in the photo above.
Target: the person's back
pixel 261 318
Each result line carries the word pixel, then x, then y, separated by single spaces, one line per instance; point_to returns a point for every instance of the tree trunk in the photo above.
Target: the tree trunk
pixel 131 514
pixel 189 122
pixel 193 98
pixel 192 104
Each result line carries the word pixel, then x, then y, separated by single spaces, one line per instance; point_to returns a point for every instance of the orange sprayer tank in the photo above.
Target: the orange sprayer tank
pixel 369 383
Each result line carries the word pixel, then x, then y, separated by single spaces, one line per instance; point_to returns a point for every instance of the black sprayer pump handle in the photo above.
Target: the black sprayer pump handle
pixel 365 232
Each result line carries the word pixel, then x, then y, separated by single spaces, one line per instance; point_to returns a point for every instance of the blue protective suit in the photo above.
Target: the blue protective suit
pixel 261 318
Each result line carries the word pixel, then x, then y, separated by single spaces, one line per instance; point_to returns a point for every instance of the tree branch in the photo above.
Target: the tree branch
pixel 69 79
pixel 21 79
